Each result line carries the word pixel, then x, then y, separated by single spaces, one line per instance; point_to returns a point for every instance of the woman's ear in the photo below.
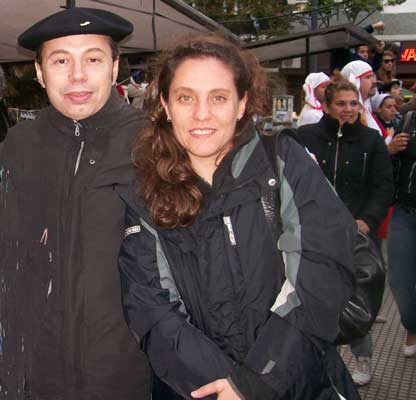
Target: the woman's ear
pixel 165 106
pixel 242 107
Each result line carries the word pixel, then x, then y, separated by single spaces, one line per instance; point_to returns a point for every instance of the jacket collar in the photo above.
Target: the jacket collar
pixel 252 163
pixel 102 118
pixel 384 123
pixel 330 128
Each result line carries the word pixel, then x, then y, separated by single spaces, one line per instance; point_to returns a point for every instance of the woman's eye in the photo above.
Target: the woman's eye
pixel 185 98
pixel 219 99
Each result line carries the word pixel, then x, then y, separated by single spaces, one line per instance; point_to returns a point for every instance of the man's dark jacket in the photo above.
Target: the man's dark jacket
pixel 63 331
pixel 213 300
pixel 356 161
pixel 405 165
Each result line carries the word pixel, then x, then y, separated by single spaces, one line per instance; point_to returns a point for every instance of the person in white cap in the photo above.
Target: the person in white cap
pixel 314 88
pixel 363 77
pixel 384 106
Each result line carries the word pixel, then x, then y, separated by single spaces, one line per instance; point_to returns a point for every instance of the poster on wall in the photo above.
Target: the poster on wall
pixel 282 109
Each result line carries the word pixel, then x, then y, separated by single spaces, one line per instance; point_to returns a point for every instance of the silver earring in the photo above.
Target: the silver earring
pixel 168 119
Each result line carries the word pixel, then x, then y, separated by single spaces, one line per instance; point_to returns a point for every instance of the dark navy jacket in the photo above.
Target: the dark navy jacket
pixel 222 299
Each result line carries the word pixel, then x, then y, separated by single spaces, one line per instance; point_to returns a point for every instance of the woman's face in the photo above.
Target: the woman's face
pixel 387 110
pixel 203 106
pixel 344 107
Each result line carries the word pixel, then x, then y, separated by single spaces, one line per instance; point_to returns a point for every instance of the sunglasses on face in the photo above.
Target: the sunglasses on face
pixel 389 60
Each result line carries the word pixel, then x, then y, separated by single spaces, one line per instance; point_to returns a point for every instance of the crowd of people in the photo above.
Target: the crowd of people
pixel 180 254
pixel 363 139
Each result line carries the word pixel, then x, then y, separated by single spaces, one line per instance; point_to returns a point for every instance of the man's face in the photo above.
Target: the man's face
pixel 77 72
pixel 368 86
pixel 363 52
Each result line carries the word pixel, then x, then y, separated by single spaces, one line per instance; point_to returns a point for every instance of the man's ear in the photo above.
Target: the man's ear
pixel 325 107
pixel 39 74
pixel 115 70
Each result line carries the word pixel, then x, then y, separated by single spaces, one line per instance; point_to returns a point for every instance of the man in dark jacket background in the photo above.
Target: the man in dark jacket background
pixel 402 233
pixel 61 322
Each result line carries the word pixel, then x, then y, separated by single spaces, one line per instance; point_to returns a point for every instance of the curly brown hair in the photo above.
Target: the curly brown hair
pixel 167 181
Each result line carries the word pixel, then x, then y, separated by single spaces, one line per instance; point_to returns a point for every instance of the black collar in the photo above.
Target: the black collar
pixel 384 123
pixel 331 129
pixel 222 174
pixel 102 118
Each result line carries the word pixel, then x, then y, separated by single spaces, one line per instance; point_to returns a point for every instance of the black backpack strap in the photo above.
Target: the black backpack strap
pixel 269 143
pixel 271 198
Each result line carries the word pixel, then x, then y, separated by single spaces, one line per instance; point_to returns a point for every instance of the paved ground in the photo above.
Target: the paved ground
pixel 394 376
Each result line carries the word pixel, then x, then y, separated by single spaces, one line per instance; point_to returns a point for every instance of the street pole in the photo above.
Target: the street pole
pixel 70 4
pixel 313 59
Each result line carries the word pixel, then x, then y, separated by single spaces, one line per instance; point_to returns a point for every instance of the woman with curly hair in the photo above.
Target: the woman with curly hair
pixel 225 303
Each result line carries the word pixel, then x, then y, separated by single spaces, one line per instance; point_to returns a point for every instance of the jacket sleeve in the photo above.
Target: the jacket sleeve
pixel 380 186
pixel 180 354
pixel 317 245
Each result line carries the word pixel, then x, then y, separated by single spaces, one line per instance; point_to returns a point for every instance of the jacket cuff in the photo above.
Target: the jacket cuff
pixel 282 355
pixel 248 385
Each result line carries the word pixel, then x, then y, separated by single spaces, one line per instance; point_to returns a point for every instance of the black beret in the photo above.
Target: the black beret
pixel 75 21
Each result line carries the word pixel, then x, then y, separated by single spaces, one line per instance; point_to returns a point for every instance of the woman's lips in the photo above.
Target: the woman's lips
pixel 202 131
pixel 78 97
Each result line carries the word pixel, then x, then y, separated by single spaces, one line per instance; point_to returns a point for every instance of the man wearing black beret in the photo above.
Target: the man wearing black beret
pixel 62 331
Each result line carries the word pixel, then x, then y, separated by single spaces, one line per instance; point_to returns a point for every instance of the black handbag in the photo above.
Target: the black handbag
pixel 361 311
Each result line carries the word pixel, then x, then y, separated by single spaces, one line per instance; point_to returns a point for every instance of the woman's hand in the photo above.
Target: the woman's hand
pixel 221 387
pixel 362 226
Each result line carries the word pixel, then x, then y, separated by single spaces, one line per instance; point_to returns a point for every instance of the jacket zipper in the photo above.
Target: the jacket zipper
pixel 339 135
pixel 77 133
pixel 228 224
pixel 81 149
pixel 364 165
